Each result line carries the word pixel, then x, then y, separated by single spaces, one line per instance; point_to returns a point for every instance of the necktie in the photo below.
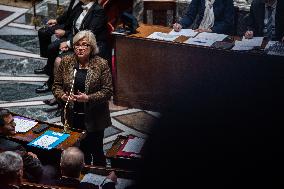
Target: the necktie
pixel 85 8
pixel 269 22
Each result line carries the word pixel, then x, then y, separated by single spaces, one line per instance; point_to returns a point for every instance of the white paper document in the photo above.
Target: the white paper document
pixel 254 42
pixel 247 44
pixel 211 36
pixel 23 124
pixel 184 32
pixel 200 42
pixel 45 141
pixel 134 145
pixel 162 36
pixel 240 47
pixel 99 179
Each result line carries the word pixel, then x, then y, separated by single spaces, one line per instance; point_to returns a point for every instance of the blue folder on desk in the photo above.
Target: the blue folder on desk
pixel 49 139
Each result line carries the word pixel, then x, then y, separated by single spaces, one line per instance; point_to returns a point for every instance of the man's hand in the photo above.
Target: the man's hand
pixel 63 46
pixel 33 155
pixel 51 22
pixel 59 33
pixel 249 34
pixel 112 176
pixel 177 27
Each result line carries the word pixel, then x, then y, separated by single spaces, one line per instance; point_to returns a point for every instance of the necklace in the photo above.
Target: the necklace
pixel 85 66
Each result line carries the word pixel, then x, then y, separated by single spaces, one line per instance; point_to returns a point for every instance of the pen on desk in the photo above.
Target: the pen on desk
pixel 199 41
pixel 103 182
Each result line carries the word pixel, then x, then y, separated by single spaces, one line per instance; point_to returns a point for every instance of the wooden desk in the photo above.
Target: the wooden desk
pixel 75 135
pixel 126 163
pixel 151 73
pixel 48 156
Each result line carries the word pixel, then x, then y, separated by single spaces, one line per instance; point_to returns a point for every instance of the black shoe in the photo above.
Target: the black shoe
pixel 43 89
pixel 50 102
pixel 40 71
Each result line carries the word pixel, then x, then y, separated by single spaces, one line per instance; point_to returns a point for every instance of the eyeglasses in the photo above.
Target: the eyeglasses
pixel 82 46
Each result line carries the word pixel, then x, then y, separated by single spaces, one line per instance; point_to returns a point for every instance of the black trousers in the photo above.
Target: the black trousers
pixel 92 145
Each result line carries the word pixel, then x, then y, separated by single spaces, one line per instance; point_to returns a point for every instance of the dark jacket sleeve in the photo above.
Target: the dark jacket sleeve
pixel 190 14
pixel 226 24
pixel 97 23
pixel 251 18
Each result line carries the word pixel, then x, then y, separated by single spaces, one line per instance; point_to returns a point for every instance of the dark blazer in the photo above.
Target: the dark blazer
pixel 67 182
pixel 95 20
pixel 98 86
pixel 223 12
pixel 257 14
pixel 65 17
pixel 33 169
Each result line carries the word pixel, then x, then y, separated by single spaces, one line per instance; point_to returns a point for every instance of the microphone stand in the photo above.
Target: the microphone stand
pixel 66 125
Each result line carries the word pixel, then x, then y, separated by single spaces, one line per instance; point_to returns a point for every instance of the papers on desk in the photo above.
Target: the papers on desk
pixel 49 140
pixel 211 36
pixel 184 32
pixel 205 39
pixel 200 42
pixel 247 44
pixel 134 145
pixel 99 179
pixel 162 36
pixel 23 124
pixel 275 48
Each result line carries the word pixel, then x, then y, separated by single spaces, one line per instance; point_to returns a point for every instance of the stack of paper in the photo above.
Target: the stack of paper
pixel 184 32
pixel 162 36
pixel 49 140
pixel 134 145
pixel 23 124
pixel 248 44
pixel 200 42
pixel 211 36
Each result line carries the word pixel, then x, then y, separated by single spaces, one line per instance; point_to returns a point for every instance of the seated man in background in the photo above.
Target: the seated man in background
pixel 212 16
pixel 33 169
pixel 71 165
pixel 266 19
pixel 11 170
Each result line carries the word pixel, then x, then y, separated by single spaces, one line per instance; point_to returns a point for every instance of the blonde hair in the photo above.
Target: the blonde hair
pixel 90 37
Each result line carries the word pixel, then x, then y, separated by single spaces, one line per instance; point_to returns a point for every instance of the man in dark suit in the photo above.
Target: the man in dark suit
pixel 71 165
pixel 266 19
pixel 89 16
pixel 221 20
pixel 50 49
pixel 33 170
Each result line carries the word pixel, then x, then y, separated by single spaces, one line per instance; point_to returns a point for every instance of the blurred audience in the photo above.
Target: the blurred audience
pixel 11 170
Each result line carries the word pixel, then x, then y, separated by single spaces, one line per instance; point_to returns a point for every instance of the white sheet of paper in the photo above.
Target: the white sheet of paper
pixel 240 47
pixel 270 43
pixel 45 141
pixel 211 36
pixel 254 42
pixel 184 32
pixel 23 125
pixel 200 42
pixel 98 179
pixel 162 36
pixel 134 145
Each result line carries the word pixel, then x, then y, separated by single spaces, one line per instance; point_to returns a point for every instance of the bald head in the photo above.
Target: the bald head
pixel 72 162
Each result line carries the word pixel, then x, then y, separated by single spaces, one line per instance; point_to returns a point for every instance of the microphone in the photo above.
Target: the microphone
pixel 66 125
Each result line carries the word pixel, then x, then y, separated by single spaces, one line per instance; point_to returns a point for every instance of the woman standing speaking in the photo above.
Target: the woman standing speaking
pixel 88 106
